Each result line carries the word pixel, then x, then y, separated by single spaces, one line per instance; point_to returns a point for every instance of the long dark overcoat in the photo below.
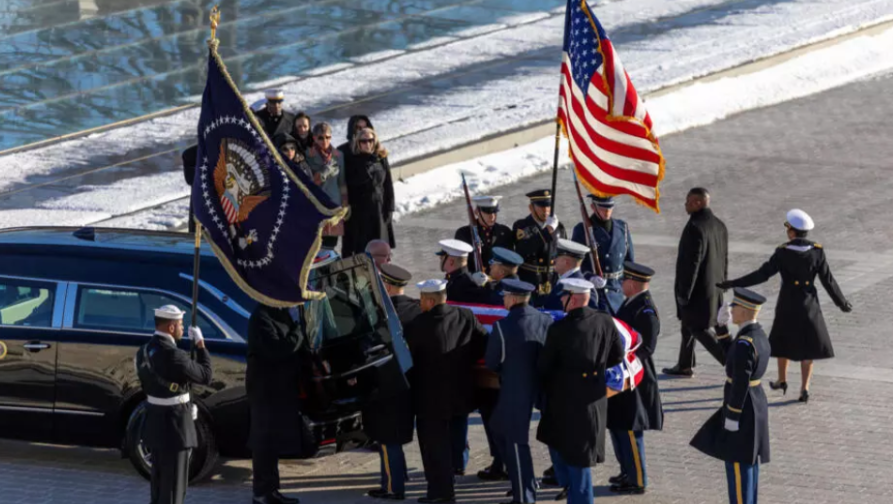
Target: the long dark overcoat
pixel 702 262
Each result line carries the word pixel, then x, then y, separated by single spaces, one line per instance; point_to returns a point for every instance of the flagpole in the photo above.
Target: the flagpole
pixel 196 261
pixel 555 167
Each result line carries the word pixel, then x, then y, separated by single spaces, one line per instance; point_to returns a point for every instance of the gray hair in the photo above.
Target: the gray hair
pixel 373 243
pixel 321 128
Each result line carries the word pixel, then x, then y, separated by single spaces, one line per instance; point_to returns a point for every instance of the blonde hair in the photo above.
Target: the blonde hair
pixel 377 148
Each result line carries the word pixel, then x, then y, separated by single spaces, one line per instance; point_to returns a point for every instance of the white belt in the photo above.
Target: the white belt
pixel 169 401
pixel 613 276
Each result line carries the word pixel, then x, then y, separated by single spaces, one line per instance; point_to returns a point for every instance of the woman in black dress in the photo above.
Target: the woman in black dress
pixel 798 331
pixel 370 194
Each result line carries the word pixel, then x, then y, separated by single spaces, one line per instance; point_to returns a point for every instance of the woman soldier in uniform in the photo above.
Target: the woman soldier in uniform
pixel 798 331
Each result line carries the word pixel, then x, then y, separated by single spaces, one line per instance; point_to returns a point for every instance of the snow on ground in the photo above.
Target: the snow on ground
pixel 661 43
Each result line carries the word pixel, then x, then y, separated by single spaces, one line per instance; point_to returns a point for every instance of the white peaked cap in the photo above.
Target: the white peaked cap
pixel 572 247
pixel 576 285
pixel 455 248
pixel 274 94
pixel 800 220
pixel 169 312
pixel 486 201
pixel 431 286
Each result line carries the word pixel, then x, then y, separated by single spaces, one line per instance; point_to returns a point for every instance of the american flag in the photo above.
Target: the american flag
pixel 611 142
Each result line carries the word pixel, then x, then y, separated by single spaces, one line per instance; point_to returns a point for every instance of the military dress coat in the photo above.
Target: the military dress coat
pixel 391 419
pixel 538 248
pixel 499 235
pixel 446 342
pixel 513 350
pixel 272 380
pixel 571 368
pixel 702 262
pixel 640 409
pixel 275 125
pixel 798 331
pixel 744 401
pixel 462 289
pixel 615 246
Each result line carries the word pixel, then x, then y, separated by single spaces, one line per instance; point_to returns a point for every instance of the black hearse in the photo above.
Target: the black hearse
pixel 76 303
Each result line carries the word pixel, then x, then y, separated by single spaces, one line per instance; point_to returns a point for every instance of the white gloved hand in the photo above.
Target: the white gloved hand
pixel 480 278
pixel 195 334
pixel 598 281
pixel 724 316
pixel 194 412
pixel 731 425
pixel 552 222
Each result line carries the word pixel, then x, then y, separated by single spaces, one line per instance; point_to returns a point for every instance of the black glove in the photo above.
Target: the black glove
pixel 847 307
pixel 724 285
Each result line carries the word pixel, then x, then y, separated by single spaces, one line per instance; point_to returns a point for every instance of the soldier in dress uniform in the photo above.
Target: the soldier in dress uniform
pixel 491 233
pixel 633 412
pixel 569 258
pixel 389 420
pixel 535 239
pixel 513 350
pixel 462 286
pixel 739 432
pixel 273 118
pixel 798 332
pixel 571 368
pixel 615 246
pixel 446 342
pixel 504 265
pixel 165 374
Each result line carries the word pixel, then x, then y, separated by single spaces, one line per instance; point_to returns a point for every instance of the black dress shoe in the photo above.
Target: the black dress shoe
pixel 779 385
pixel 678 371
pixel 628 488
pixel 804 396
pixel 549 472
pixel 616 480
pixel 562 495
pixel 380 493
pixel 459 472
pixel 276 498
pixel 436 500
pixel 492 474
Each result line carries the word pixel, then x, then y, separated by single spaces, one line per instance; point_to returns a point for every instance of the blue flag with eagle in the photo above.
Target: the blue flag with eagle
pixel 262 216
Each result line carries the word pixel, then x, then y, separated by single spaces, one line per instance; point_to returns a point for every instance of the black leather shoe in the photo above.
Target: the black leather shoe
pixel 779 385
pixel 627 488
pixel 616 480
pixel 459 472
pixel 562 495
pixel 436 500
pixel 276 498
pixel 678 371
pixel 804 396
pixel 492 474
pixel 380 493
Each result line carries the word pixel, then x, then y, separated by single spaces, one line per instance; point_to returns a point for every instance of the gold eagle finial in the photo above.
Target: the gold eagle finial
pixel 215 20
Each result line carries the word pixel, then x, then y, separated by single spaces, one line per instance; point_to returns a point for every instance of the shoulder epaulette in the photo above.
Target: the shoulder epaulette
pixel 749 340
pixel 817 245
pixel 783 245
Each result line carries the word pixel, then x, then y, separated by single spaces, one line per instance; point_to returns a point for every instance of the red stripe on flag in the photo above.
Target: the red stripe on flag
pixel 628 127
pixel 632 98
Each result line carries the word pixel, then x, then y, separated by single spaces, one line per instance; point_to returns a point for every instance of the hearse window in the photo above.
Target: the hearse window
pixel 26 303
pixel 349 308
pixel 109 309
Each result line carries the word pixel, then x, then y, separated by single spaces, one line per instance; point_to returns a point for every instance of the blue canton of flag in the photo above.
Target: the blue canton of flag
pixel 582 46
pixel 263 218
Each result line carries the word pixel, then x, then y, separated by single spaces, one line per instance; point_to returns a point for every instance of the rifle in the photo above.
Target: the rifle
pixel 478 260
pixel 587 229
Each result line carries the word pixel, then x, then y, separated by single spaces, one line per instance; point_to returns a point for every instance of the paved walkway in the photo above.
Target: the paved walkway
pixel 828 154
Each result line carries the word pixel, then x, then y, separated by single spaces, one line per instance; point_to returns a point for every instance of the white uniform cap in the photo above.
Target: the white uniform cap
pixel 454 248
pixel 431 286
pixel 486 201
pixel 576 285
pixel 800 220
pixel 274 94
pixel 169 312
pixel 572 248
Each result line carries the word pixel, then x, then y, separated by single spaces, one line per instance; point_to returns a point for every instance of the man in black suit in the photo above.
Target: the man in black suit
pixel 446 342
pixel 165 374
pixel 702 262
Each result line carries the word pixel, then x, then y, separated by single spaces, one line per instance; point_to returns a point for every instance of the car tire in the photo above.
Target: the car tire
pixel 202 461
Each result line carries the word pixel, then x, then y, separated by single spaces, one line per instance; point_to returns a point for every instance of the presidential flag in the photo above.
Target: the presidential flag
pixel 609 131
pixel 262 216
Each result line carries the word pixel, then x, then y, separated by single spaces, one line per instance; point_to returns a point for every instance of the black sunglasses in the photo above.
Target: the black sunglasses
pixel 367 140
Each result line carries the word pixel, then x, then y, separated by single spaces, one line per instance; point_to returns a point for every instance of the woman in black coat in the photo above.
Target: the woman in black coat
pixel 370 194
pixel 798 332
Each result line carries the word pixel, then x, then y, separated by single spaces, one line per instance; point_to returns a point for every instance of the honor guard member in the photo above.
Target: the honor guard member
pixel 462 286
pixel 446 342
pixel 579 348
pixel 503 266
pixel 739 432
pixel 513 350
pixel 633 412
pixel 165 374
pixel 798 332
pixel 273 118
pixel 615 246
pixel 567 265
pixel 535 239
pixel 389 421
pixel 491 233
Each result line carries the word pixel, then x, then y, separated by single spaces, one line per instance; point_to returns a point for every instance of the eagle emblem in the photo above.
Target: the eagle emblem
pixel 242 183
